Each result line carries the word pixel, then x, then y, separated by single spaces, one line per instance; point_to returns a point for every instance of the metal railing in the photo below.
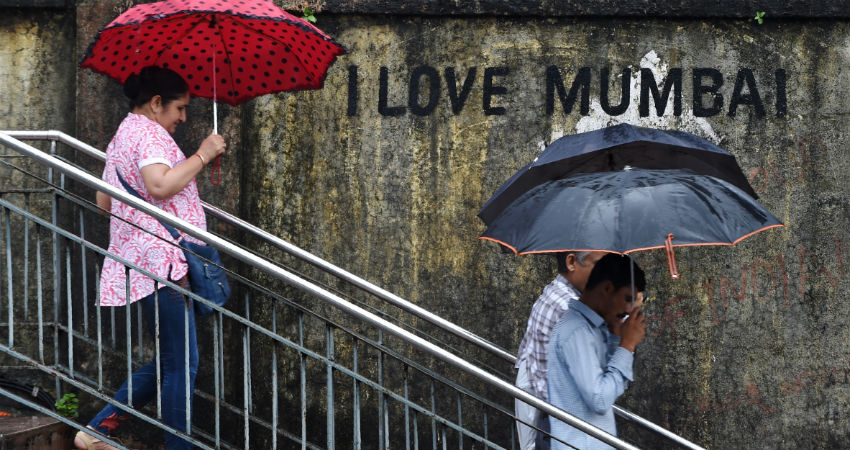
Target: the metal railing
pixel 354 280
pixel 404 400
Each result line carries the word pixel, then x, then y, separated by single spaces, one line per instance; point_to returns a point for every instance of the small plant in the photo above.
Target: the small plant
pixel 759 17
pixel 67 406
pixel 309 15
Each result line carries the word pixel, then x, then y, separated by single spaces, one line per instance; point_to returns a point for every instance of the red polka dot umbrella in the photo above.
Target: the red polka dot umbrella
pixel 226 50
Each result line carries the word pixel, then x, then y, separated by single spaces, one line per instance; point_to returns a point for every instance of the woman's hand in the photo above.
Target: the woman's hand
pixel 212 147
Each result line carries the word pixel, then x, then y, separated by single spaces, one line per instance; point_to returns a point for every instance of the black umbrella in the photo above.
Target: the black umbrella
pixel 614 148
pixel 629 210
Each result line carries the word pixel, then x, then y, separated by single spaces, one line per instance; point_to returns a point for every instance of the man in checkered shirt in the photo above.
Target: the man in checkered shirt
pixel 573 270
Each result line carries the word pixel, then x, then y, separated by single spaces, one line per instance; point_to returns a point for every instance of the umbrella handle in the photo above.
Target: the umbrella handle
pixel 215 174
pixel 671 257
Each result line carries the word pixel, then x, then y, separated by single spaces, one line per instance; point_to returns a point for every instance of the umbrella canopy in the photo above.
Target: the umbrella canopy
pixel 227 51
pixel 629 210
pixel 614 148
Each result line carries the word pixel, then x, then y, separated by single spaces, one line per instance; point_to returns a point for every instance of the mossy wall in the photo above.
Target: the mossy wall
pixel 383 171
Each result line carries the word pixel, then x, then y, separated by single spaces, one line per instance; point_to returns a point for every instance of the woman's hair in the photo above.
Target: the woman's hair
pixel 141 87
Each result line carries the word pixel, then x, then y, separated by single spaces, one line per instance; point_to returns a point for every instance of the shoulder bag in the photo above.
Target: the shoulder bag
pixel 206 276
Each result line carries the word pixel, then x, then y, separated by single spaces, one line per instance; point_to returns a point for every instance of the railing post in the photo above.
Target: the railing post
pixel 274 379
pixel 329 343
pixel 57 265
pixel 70 312
pixel 383 440
pixel 129 334
pixel 40 295
pixel 83 272
pixel 9 275
pixel 303 372
pixel 356 399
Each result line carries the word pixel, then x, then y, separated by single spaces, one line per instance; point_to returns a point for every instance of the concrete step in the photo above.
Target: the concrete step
pixel 35 432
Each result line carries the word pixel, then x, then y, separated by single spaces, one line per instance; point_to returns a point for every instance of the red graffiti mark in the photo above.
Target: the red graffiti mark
pixel 753 398
pixel 733 400
pixel 806 276
pixel 840 248
pixel 807 155
pixel 669 317
pixel 813 379
pixel 771 272
pixel 762 177
pixel 740 295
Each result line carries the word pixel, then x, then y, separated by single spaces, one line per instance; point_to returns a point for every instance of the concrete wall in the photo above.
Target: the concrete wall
pixel 384 169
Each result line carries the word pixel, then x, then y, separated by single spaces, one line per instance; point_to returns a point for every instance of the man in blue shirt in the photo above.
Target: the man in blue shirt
pixel 592 350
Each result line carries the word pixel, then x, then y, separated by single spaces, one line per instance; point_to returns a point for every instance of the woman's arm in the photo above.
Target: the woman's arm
pixel 104 202
pixel 162 181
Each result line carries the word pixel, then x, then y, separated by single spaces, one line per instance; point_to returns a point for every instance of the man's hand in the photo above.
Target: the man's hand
pixel 632 331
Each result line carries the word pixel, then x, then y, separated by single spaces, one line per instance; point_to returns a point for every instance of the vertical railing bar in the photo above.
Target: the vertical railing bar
pixel 329 343
pixel 513 438
pixel 57 264
pixel 39 294
pixel 274 378
pixel 220 323
pixel 187 378
pixel 303 367
pixel 415 430
pixel 387 421
pixel 216 381
pixel 157 349
pixel 486 437
pixel 248 338
pixel 245 393
pixel 433 415
pixel 84 273
pixel 382 440
pixel 139 345
pixel 129 333
pixel 459 421
pixel 112 326
pixel 26 257
pixel 7 215
pixel 98 309
pixel 356 394
pixel 406 408
pixel 443 434
pixel 70 312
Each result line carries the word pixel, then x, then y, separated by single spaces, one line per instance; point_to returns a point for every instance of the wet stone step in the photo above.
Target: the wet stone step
pixel 35 432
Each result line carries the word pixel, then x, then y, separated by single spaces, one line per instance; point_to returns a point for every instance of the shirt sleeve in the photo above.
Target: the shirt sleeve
pixel 599 382
pixel 153 148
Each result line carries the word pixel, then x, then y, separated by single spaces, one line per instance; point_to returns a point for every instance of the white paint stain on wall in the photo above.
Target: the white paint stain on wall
pixel 600 119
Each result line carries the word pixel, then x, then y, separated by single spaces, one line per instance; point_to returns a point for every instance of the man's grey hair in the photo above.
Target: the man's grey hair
pixel 562 259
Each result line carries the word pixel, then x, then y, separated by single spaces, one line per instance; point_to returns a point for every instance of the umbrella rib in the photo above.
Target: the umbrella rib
pixel 227 55
pixel 174 18
pixel 275 39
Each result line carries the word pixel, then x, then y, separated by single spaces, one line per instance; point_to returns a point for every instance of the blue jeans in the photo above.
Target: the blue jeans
pixel 172 334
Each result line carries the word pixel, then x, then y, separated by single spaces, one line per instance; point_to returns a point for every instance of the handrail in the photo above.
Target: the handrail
pixel 297 252
pixel 353 279
pixel 313 289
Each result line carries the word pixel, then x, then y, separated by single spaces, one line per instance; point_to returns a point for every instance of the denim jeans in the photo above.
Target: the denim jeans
pixel 172 337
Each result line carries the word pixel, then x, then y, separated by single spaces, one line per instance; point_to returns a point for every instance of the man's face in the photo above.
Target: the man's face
pixel 619 304
pixel 580 272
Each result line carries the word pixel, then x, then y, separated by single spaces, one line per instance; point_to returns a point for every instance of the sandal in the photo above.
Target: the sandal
pixel 86 441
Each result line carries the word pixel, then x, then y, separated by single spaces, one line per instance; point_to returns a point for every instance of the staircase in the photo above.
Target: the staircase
pixel 305 355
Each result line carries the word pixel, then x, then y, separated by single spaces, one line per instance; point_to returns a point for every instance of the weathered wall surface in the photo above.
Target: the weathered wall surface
pixel 383 171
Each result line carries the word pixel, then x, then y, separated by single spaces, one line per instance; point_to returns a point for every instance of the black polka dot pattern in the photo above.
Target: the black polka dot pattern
pixel 246 48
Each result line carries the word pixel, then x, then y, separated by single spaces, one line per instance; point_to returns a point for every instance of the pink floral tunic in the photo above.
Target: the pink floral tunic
pixel 140 142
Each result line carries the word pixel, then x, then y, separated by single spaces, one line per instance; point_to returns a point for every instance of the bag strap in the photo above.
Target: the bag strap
pixel 174 233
